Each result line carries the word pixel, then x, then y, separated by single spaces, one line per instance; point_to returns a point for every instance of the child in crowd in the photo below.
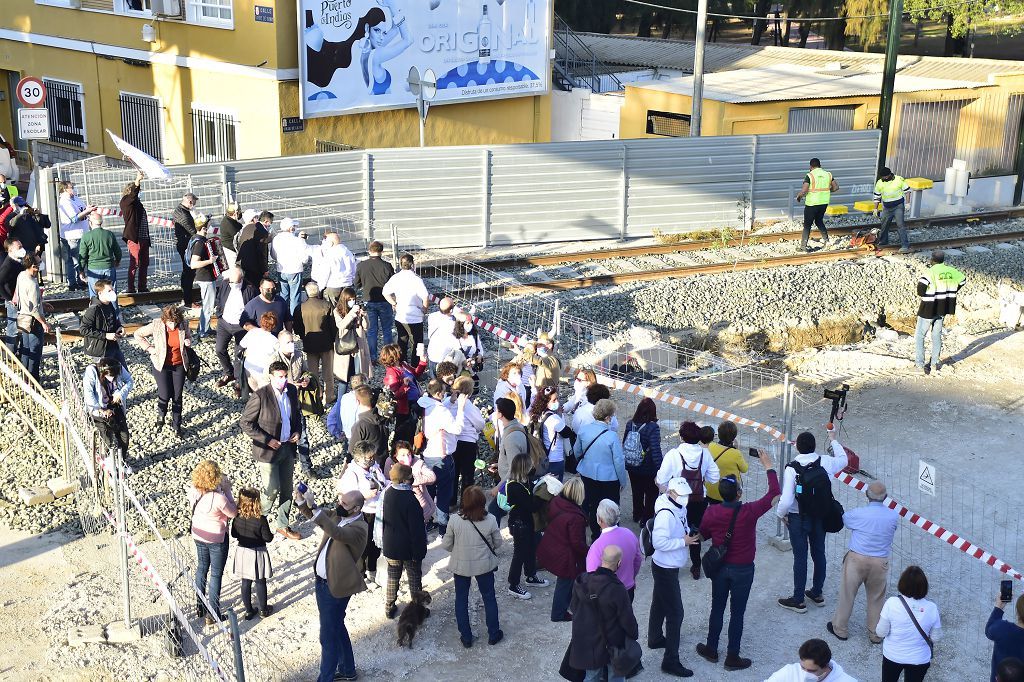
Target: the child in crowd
pixel 252 561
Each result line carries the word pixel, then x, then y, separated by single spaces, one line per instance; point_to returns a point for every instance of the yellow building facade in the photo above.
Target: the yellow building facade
pixel 215 85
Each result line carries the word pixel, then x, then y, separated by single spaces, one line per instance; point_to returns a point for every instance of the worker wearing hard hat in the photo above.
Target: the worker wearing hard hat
pixel 891 194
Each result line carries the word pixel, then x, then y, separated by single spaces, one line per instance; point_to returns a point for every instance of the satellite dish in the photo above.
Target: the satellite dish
pixel 414 81
pixel 429 84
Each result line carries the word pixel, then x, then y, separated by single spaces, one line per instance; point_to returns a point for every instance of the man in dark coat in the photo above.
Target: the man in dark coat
pixel 101 327
pixel 602 617
pixel 405 536
pixel 313 321
pixel 367 427
pixel 184 230
pixel 29 227
pixel 136 233
pixel 272 419
pixel 229 229
pixel 254 247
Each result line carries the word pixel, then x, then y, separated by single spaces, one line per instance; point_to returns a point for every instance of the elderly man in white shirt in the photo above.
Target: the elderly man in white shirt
pixel 806 529
pixel 440 332
pixel 333 267
pixel 73 216
pixel 409 297
pixel 442 429
pixel 291 253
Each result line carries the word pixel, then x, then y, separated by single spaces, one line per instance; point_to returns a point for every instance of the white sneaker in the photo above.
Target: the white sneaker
pixel 519 592
pixel 537 582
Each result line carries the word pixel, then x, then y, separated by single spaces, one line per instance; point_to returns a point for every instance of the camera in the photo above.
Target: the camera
pixel 839 394
pixel 838 398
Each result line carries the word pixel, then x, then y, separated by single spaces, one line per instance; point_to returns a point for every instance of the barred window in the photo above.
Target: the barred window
pixel 668 123
pixel 213 135
pixel 141 119
pixel 65 102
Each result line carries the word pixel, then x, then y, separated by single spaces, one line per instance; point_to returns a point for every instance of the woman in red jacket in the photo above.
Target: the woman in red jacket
pixel 400 378
pixel 563 550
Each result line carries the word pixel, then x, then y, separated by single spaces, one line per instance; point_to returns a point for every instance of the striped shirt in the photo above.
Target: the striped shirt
pixel 937 290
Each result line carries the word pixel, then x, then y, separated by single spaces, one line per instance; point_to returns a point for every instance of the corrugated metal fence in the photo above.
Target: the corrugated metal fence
pixel 487 195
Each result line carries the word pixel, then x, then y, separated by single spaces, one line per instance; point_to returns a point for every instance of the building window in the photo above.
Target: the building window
pixel 668 123
pixel 138 7
pixel 72 4
pixel 65 102
pixel 141 123
pixel 211 12
pixel 213 135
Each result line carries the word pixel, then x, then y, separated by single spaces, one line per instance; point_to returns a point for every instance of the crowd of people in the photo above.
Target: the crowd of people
pixel 397 381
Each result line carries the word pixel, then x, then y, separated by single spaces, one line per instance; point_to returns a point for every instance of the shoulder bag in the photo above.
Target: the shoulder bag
pixel 625 659
pixel 913 619
pixel 347 342
pixel 482 537
pixel 572 461
pixel 714 558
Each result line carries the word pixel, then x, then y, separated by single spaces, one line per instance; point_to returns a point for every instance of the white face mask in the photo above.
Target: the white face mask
pixel 171 326
pixel 108 296
pixel 514 379
pixel 279 382
pixel 579 385
pixel 18 254
pixel 288 348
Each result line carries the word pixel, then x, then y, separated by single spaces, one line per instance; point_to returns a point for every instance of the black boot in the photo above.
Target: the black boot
pixel 161 407
pixel 176 422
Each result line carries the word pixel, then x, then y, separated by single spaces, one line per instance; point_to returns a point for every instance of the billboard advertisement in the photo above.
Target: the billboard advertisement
pixel 355 55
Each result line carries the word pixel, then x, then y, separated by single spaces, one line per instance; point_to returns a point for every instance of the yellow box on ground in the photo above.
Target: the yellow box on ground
pixel 864 206
pixel 920 183
pixel 837 209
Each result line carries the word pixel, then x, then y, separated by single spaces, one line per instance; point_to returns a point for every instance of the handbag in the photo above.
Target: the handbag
pixel 624 659
pixel 913 618
pixel 567 672
pixel 347 342
pixel 572 461
pixel 714 558
pixel 192 362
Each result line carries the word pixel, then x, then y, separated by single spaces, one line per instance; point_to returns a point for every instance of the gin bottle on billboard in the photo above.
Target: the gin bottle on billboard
pixel 484 37
pixel 531 18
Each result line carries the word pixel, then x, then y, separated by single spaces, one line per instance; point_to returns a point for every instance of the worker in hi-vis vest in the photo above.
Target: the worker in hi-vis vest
pixel 815 193
pixel 937 289
pixel 891 193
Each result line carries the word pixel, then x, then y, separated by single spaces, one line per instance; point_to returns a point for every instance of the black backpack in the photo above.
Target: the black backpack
pixel 814 495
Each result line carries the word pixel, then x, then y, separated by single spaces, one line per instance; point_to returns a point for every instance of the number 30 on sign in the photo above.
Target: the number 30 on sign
pixel 31 92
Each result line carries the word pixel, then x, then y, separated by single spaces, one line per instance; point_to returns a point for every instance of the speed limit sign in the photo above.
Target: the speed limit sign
pixel 31 92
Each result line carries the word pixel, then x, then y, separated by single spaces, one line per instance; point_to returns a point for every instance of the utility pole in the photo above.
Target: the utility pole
pixel 697 100
pixel 1018 165
pixel 892 53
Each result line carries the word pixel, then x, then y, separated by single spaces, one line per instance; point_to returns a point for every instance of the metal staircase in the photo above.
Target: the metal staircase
pixel 576 66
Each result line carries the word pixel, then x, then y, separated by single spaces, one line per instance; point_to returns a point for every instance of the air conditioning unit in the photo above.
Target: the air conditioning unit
pixel 169 9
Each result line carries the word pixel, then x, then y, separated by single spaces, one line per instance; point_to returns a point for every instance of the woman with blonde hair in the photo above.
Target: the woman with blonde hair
pixel 563 549
pixel 165 340
pixel 582 380
pixel 212 507
pixel 252 561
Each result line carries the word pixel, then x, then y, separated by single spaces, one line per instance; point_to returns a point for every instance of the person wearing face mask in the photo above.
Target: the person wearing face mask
pixel 510 380
pixel 736 575
pixel 314 324
pixel 364 474
pixel 73 216
pixel 548 425
pixel 422 476
pixel 815 665
pixel 345 534
pixel 670 537
pixel 333 267
pixel 29 227
pixel 582 379
pixel 99 253
pixel 10 268
pixel 135 233
pixel 440 325
pixel 31 323
pixel 106 385
pixel 201 263
pixel 231 295
pixel 272 419
pixel 298 376
pixel 601 462
pixel 467 448
pixel 165 340
pixel 442 429
pixel 101 327
pixel 267 302
pixel 641 476
pixel 349 320
pixel 184 230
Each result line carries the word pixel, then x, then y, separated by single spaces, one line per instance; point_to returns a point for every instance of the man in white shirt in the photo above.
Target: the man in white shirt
pixel 467 449
pixel 333 268
pixel 815 664
pixel 440 332
pixel 442 429
pixel 805 524
pixel 290 253
pixel 670 537
pixel 409 298
pixel 74 222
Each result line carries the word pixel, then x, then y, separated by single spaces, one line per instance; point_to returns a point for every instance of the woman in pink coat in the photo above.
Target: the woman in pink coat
pixel 212 508
pixel 422 475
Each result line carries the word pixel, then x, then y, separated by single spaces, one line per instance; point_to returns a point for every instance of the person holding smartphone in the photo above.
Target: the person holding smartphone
pixel 1007 638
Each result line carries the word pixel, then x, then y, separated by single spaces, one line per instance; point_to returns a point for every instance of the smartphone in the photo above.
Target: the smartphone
pixel 419 350
pixel 753 452
pixel 1006 591
pixel 303 488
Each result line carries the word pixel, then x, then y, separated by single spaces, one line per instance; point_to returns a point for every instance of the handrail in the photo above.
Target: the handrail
pixel 578 61
pixel 33 405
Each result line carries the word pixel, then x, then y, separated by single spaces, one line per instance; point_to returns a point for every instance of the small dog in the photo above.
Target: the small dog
pixel 412 618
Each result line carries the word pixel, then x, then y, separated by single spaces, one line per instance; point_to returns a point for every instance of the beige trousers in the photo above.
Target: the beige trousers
pixel 321 365
pixel 858 570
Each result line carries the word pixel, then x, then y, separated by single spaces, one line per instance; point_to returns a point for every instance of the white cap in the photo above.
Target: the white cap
pixel 679 486
pixel 248 214
pixel 288 224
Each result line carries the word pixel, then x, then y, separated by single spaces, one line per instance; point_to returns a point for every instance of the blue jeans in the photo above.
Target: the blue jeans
pixel 890 215
pixel 336 654
pixel 11 328
pixel 732 583
pixel 805 531
pixel 206 294
pixel 380 316
pixel 212 559
pixel 442 488
pixel 71 263
pixel 925 325
pixel 484 583
pixel 557 469
pixel 93 276
pixel 602 674
pixel 291 287
pixel 560 598
pixel 30 353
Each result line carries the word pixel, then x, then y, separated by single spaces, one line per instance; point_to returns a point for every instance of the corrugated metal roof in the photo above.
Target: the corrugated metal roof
pixel 793 82
pixel 678 54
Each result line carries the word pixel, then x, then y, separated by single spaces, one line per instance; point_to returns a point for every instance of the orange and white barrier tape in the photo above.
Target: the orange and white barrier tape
pixel 153 220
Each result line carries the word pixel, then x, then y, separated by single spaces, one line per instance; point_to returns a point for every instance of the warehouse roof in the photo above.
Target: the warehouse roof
pixel 793 82
pixel 678 54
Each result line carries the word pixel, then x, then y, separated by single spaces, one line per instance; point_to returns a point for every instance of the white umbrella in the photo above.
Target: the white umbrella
pixel 150 167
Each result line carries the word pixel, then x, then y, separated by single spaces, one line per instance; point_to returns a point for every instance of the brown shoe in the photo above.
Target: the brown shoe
pixel 289 533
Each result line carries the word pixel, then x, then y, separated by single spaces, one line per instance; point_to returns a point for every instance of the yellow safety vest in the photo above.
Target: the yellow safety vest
pixel 891 191
pixel 12 189
pixel 819 193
